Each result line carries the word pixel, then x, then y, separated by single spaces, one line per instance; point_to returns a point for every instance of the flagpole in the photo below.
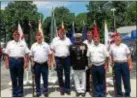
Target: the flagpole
pixel 114 23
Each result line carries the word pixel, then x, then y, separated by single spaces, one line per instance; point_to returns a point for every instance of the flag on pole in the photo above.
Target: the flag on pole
pixel 95 30
pixel 40 28
pixel 84 32
pixel 72 32
pixel 62 25
pixel 106 36
pixel 21 32
pixel 53 27
pixel 23 39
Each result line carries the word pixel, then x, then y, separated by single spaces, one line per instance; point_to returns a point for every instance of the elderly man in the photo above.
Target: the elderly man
pixel 16 61
pixel 122 64
pixel 60 47
pixel 98 57
pixel 78 56
pixel 41 55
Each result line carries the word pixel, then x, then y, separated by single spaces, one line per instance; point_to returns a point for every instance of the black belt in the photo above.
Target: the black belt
pixel 41 63
pixel 63 57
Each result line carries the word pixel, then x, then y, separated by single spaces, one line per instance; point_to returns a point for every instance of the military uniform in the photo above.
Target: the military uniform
pixel 16 51
pixel 78 53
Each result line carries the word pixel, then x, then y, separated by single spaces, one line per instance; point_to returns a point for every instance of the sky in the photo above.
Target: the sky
pixel 45 7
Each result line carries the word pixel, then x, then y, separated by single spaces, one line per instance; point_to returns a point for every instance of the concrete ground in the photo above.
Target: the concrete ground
pixel 53 91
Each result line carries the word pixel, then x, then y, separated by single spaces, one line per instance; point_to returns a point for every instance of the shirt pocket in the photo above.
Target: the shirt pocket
pixel 21 48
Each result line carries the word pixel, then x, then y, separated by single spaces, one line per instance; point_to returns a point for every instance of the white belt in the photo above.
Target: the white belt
pixel 120 61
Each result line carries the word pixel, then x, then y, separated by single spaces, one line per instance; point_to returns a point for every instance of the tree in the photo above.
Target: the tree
pixel 62 14
pixel 125 14
pixel 23 12
pixel 98 11
pixel 46 28
pixel 2 26
pixel 79 19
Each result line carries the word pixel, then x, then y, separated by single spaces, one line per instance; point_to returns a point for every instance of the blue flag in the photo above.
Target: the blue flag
pixel 84 32
pixel 72 32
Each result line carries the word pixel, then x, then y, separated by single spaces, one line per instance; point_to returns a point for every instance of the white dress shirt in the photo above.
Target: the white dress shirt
pixel 89 44
pixel 16 49
pixel 61 47
pixel 40 52
pixel 119 52
pixel 97 54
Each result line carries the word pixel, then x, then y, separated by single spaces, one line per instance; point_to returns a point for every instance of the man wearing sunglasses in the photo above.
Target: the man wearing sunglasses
pixel 16 62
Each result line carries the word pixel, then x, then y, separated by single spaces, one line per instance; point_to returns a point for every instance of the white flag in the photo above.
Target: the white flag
pixel 106 35
pixel 21 32
pixel 40 28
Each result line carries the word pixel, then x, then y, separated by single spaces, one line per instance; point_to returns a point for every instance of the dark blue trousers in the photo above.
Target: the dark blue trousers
pixel 38 70
pixel 121 70
pixel 16 73
pixel 63 66
pixel 98 76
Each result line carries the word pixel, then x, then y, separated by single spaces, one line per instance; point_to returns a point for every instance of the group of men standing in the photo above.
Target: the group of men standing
pixel 86 58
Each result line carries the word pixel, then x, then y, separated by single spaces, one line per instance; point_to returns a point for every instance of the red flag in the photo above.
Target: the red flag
pixel 95 30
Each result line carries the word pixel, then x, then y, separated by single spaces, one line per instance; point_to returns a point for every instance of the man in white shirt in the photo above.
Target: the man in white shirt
pixel 121 58
pixel 60 46
pixel 41 55
pixel 98 57
pixel 89 43
pixel 16 60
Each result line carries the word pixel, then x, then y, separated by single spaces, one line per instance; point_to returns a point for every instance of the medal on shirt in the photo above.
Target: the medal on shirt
pixel 78 54
pixel 82 48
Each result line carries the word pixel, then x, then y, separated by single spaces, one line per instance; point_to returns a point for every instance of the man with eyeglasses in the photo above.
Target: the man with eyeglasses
pixel 16 61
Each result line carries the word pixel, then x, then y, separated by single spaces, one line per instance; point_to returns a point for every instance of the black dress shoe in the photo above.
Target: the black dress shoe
pixel 37 95
pixel 77 94
pixel 87 90
pixel 83 94
pixel 69 93
pixel 46 95
pixel 62 93
pixel 20 95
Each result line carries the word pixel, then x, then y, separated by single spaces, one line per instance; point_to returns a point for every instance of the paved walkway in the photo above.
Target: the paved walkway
pixel 53 91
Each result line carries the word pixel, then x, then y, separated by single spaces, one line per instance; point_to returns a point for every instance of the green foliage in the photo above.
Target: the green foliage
pixel 46 28
pixel 23 12
pixel 63 14
pixel 125 14
pixel 79 20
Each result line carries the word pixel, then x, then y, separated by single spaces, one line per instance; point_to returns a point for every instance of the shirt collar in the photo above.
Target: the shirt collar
pixel 40 44
pixel 16 41
pixel 96 45
pixel 90 42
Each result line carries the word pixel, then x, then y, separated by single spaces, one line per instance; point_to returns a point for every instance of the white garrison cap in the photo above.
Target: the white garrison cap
pixel 77 35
